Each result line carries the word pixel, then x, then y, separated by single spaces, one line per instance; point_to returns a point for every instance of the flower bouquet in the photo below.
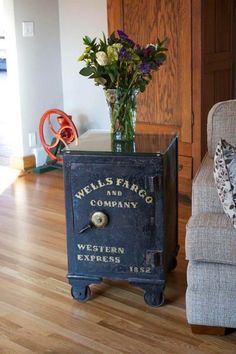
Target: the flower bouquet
pixel 124 69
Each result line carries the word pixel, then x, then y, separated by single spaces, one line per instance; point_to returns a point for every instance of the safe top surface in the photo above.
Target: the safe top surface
pixel 100 141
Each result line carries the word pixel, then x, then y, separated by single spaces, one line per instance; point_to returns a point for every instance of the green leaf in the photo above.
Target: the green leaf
pixel 103 46
pixel 104 38
pixel 87 40
pixel 95 76
pixel 111 76
pixel 142 85
pixel 87 71
pixel 113 36
pixel 161 43
pixel 162 49
pixel 161 56
pixel 142 88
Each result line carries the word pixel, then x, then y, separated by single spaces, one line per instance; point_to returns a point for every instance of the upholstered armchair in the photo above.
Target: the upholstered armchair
pixel 211 238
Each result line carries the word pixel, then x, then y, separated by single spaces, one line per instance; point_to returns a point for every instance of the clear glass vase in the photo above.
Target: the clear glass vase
pixel 122 105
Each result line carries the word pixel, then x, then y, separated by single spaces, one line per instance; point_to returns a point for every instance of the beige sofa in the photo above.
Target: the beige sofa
pixel 211 239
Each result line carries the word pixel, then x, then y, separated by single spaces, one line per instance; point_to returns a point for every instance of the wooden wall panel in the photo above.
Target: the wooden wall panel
pixel 185 69
pixel 185 149
pixel 160 95
pixel 167 100
pixel 208 33
pixel 207 102
pixel 217 58
pixel 185 189
pixel 222 85
pixel 114 15
pixel 196 81
pixel 223 25
pixel 185 167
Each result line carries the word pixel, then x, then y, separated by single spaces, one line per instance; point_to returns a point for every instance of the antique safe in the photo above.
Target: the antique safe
pixel 121 212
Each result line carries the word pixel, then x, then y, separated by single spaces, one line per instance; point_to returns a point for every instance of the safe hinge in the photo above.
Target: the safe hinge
pixel 154 258
pixel 154 183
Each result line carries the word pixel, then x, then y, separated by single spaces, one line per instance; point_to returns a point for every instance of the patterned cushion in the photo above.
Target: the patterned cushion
pixel 225 177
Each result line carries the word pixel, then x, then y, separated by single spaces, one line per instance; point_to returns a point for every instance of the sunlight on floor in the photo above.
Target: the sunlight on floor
pixel 7 177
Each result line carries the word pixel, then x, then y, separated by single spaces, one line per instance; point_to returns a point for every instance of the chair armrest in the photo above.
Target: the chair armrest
pixel 204 193
pixel 221 124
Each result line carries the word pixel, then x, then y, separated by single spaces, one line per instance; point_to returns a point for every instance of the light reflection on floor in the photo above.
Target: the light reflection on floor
pixel 7 177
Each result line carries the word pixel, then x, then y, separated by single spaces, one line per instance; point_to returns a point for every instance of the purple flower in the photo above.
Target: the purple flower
pixel 122 34
pixel 147 51
pixel 124 54
pixel 144 68
pixel 125 38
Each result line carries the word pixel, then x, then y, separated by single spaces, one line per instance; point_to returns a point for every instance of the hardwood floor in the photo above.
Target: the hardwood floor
pixel 37 312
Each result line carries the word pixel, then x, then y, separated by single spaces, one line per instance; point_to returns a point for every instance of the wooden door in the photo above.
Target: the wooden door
pixel 213 59
pixel 166 105
pixel 217 53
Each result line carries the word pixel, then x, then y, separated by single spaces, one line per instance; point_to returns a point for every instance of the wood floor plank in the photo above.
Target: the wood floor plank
pixel 37 312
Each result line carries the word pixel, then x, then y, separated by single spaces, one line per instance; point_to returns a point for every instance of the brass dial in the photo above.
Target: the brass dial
pixel 99 219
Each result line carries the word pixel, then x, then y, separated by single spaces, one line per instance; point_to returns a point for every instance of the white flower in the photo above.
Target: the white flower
pixel 100 80
pixel 102 58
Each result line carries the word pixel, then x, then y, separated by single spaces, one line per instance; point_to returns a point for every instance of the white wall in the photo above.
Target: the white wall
pixel 1 16
pixel 39 63
pixel 43 70
pixel 13 114
pixel 82 99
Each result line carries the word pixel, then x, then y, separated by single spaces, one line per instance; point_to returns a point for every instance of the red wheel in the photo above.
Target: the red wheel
pixel 56 130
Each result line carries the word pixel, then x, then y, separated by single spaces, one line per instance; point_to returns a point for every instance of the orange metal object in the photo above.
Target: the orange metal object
pixel 61 128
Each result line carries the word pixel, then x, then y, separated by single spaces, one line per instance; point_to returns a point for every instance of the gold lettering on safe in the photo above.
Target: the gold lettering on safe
pixel 105 257
pixel 119 182
pixel 95 258
pixel 134 269
pixel 114 204
pixel 100 249
pixel 115 193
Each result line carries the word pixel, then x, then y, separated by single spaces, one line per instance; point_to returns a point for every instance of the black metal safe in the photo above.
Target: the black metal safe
pixel 121 212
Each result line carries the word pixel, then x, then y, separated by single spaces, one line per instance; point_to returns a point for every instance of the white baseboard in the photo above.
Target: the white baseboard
pixel 40 156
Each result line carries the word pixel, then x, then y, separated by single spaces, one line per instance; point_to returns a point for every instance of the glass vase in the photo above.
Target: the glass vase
pixel 122 104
